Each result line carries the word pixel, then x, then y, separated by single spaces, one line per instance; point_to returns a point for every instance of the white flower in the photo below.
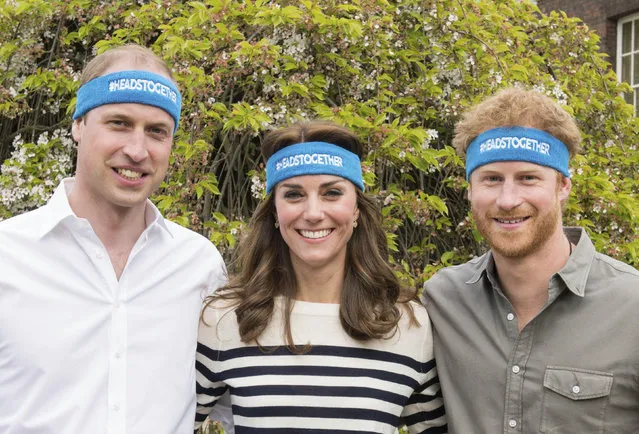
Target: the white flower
pixel 388 199
pixel 257 187
pixel 556 38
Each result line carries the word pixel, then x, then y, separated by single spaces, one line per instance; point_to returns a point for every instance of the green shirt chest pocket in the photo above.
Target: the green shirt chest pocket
pixel 575 400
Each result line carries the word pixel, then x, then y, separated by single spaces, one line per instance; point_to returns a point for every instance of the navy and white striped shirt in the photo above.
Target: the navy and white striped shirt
pixel 340 386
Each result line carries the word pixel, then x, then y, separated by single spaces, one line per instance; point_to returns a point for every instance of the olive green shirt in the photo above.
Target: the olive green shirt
pixel 573 369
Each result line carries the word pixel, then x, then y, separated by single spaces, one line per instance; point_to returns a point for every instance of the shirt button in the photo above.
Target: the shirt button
pixel 99 255
pixel 516 369
pixel 576 389
pixel 116 407
pixel 512 423
pixel 510 317
pixel 118 355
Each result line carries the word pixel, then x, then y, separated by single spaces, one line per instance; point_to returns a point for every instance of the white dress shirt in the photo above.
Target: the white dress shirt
pixel 83 352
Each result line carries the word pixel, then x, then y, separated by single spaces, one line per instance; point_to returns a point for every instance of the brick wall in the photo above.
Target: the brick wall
pixel 600 16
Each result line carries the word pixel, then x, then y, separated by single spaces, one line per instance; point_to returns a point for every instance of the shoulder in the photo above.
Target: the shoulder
pixel 218 324
pixel 615 278
pixel 616 267
pixel 414 340
pixel 218 310
pixel 22 232
pixel 191 253
pixel 184 234
pixel 596 264
pixel 414 319
pixel 455 278
pixel 462 271
pixel 419 311
pixel 192 240
pixel 23 223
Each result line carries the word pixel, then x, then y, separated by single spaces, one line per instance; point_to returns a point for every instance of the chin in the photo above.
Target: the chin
pixel 129 203
pixel 513 249
pixel 315 263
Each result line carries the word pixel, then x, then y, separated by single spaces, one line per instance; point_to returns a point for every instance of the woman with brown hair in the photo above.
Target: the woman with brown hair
pixel 313 332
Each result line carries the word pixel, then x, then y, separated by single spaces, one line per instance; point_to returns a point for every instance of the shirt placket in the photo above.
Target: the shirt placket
pixel 515 370
pixel 518 359
pixel 118 355
pixel 117 366
pixel 117 373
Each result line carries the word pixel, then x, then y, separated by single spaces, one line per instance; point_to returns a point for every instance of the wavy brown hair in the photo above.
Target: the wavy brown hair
pixel 514 106
pixel 371 298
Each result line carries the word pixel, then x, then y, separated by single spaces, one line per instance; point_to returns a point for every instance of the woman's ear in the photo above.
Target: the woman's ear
pixel 76 129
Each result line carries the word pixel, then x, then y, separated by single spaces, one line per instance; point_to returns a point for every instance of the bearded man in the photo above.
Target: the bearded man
pixel 541 333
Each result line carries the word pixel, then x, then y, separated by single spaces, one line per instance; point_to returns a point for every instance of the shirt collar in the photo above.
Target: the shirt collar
pixel 154 217
pixel 483 264
pixel 574 273
pixel 59 210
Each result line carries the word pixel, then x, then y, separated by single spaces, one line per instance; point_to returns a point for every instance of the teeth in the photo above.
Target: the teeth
pixel 510 221
pixel 129 174
pixel 315 234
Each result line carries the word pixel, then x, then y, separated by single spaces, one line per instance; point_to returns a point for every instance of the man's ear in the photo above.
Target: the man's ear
pixel 564 188
pixel 76 129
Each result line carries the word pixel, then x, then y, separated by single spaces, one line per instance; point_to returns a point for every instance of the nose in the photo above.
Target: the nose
pixel 314 210
pixel 136 146
pixel 509 196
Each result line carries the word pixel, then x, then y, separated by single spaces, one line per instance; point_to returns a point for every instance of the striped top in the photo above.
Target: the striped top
pixel 340 386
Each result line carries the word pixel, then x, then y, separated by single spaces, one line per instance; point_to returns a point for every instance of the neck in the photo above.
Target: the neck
pixel 319 285
pixel 117 227
pixel 524 280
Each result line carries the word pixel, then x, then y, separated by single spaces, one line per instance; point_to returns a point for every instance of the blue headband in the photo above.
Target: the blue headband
pixel 141 87
pixel 313 158
pixel 517 144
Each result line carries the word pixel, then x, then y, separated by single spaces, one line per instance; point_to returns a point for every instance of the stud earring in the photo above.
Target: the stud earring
pixel 277 225
pixel 354 223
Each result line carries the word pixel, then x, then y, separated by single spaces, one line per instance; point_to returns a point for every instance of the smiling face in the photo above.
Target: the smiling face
pixel 316 215
pixel 517 206
pixel 123 151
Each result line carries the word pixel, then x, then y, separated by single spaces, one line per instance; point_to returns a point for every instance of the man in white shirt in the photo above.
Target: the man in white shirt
pixel 100 295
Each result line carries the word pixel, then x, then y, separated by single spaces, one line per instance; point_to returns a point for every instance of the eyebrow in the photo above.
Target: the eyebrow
pixel 515 175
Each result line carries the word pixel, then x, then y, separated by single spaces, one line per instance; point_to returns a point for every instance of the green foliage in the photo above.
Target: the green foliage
pixel 399 73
